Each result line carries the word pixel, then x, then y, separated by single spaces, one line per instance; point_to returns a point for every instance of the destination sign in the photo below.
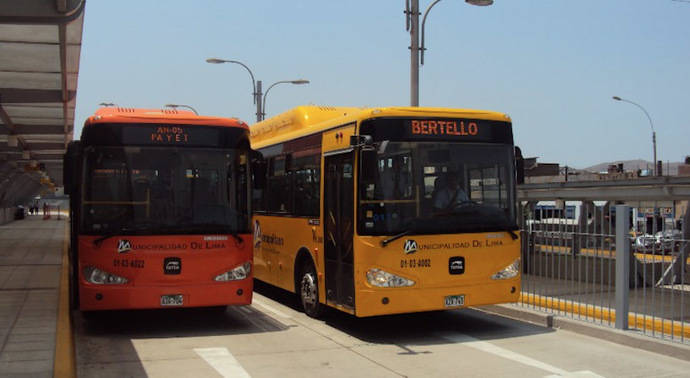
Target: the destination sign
pixel 162 134
pixel 181 135
pixel 438 129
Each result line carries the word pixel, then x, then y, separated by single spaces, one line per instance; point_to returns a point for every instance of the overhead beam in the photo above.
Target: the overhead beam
pixel 6 120
pixel 647 189
pixel 40 11
pixel 19 95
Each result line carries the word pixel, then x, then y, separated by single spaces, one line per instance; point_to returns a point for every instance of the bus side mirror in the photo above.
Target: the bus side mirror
pixel 258 170
pixel 70 166
pixel 361 140
pixel 519 166
pixel 367 165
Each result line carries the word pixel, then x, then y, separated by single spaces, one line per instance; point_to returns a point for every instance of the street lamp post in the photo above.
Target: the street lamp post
pixel 256 84
pixel 296 82
pixel 650 124
pixel 412 24
pixel 175 106
pixel 259 98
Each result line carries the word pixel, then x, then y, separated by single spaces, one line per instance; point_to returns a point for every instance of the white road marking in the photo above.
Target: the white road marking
pixel 222 360
pixel 487 347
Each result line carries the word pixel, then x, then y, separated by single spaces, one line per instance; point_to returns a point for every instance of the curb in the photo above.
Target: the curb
pixel 64 364
pixel 629 338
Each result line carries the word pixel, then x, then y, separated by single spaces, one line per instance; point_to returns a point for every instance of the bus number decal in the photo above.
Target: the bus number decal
pixel 415 263
pixel 124 263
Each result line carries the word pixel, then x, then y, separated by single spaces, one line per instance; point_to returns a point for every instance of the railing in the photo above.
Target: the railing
pixel 598 268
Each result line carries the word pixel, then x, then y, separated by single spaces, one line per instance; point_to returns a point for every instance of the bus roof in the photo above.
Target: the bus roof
pixel 308 119
pixel 171 116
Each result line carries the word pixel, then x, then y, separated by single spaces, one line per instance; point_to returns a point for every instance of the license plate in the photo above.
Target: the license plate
pixel 171 300
pixel 455 300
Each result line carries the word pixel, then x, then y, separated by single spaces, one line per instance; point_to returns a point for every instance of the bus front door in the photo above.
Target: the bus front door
pixel 338 210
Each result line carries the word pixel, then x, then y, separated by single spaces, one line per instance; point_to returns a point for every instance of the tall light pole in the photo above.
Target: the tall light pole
pixel 175 106
pixel 256 84
pixel 412 25
pixel 650 124
pixel 296 82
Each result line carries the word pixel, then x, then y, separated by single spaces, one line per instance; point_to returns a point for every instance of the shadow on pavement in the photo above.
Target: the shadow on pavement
pixel 424 328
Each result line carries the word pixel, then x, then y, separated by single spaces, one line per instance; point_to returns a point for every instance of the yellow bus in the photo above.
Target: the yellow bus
pixel 377 211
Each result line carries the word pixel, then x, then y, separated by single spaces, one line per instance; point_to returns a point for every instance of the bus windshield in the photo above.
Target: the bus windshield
pixel 164 190
pixel 437 188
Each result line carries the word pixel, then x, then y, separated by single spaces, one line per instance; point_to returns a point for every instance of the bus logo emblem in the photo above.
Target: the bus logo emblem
pixel 410 246
pixel 124 246
pixel 172 265
pixel 456 265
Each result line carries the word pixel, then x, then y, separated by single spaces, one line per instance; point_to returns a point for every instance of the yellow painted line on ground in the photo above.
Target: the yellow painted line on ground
pixel 644 257
pixel 65 360
pixel 635 320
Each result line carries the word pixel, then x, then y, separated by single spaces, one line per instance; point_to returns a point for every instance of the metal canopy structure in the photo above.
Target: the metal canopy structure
pixel 40 44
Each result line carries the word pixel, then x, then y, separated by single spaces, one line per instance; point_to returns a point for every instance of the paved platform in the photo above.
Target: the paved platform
pixel 30 265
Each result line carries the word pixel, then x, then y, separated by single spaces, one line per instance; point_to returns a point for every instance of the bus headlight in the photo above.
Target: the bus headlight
pixel 100 277
pixel 510 271
pixel 239 273
pixel 380 278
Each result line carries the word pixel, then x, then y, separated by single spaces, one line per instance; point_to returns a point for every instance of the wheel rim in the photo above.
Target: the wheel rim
pixel 309 296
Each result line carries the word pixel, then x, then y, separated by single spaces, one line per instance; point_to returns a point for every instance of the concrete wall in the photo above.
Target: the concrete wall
pixel 6 215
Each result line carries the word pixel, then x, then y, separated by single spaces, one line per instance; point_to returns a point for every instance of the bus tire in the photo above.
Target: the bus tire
pixel 309 291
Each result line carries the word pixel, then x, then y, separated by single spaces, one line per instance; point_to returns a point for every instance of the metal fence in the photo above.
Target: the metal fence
pixel 603 266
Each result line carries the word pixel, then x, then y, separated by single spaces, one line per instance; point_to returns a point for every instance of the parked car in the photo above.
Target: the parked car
pixel 669 240
pixel 19 212
pixel 644 243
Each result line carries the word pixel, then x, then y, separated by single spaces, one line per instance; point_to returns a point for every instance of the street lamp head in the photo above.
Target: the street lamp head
pixel 175 106
pixel 616 98
pixel 481 3
pixel 300 81
pixel 215 60
pixel 106 104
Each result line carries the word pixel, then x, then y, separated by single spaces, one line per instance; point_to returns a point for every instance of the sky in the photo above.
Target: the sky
pixel 552 65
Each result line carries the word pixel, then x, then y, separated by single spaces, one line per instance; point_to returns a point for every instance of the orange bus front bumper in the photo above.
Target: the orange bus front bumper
pixel 114 297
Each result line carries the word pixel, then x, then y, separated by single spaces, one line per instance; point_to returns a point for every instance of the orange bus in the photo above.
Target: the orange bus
pixel 377 211
pixel 160 212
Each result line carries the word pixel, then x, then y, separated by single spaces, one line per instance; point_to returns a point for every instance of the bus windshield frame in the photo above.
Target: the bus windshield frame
pixel 457 181
pixel 158 190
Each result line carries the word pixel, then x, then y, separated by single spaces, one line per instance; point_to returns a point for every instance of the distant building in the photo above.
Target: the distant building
pixel 684 169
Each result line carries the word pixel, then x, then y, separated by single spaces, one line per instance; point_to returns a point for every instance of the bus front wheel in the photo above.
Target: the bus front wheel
pixel 309 291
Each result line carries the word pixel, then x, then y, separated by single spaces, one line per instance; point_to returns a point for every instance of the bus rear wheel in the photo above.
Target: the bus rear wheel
pixel 309 292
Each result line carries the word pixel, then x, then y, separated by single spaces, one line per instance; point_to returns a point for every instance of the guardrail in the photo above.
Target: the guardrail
pixel 597 268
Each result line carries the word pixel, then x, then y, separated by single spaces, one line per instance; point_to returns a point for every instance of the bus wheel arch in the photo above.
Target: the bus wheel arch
pixel 307 284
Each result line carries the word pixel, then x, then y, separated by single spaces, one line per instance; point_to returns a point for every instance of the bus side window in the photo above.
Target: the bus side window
pixel 279 193
pixel 306 186
pixel 259 179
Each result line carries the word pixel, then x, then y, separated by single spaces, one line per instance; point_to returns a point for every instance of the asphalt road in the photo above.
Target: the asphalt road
pixel 272 338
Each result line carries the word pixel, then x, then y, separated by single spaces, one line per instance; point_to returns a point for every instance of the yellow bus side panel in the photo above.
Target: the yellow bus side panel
pixel 281 238
pixel 337 139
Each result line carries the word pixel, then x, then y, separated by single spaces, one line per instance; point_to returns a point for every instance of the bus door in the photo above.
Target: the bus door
pixel 338 211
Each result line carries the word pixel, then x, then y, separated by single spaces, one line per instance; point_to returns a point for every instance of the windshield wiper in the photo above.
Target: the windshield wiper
pixel 393 238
